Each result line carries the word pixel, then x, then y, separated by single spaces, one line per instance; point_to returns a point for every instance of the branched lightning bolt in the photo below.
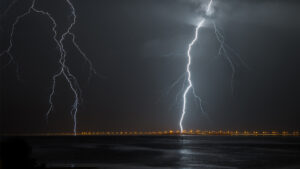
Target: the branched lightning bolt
pixel 222 52
pixel 190 84
pixel 64 70
pixel 226 51
pixel 8 50
pixel 188 70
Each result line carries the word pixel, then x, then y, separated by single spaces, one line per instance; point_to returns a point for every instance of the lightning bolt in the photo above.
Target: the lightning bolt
pixel 190 84
pixel 224 50
pixel 64 70
pixel 188 70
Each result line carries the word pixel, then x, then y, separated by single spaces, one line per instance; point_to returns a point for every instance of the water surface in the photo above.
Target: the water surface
pixel 164 152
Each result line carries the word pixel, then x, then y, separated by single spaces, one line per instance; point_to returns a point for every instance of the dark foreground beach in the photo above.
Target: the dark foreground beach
pixel 166 152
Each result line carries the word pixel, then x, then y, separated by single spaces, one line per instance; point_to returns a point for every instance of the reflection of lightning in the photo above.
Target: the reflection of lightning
pixel 64 70
pixel 188 71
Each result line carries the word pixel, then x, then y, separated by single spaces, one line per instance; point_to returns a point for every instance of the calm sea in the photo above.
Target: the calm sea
pixel 167 152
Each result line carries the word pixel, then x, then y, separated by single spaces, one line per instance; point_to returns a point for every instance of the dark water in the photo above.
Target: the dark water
pixel 147 152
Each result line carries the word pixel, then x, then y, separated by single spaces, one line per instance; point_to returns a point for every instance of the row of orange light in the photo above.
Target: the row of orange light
pixel 192 132
pixel 173 132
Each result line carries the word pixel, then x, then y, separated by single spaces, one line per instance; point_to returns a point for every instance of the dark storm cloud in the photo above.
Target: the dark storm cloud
pixel 269 13
pixel 278 14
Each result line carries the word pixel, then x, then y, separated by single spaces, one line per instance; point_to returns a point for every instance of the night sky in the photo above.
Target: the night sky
pixel 138 49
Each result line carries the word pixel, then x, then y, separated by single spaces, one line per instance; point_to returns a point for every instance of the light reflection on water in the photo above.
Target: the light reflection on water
pixel 168 152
